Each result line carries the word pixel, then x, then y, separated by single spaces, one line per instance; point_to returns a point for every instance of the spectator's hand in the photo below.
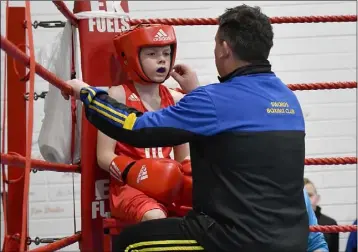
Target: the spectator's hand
pixel 187 78
pixel 76 85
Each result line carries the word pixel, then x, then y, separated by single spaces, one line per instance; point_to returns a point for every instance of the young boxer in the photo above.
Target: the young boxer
pixel 147 54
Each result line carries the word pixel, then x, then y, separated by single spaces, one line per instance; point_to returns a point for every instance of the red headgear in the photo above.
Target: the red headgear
pixel 129 43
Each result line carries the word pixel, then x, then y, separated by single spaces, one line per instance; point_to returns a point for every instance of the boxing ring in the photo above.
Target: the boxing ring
pixel 94 234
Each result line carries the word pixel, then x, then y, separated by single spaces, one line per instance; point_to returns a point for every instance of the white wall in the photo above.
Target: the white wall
pixel 302 53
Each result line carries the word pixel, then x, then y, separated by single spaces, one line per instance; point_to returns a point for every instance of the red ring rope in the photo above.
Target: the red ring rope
pixel 17 54
pixel 323 85
pixel 333 228
pixel 114 223
pixel 62 7
pixel 13 51
pixel 214 21
pixel 18 160
pixel 331 161
pixel 59 244
pixel 274 20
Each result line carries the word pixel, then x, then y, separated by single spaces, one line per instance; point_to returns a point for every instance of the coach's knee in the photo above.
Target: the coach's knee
pixel 154 214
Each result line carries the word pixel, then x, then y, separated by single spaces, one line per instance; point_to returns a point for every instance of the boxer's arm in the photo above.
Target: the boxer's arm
pixel 316 241
pixel 193 116
pixel 182 151
pixel 106 145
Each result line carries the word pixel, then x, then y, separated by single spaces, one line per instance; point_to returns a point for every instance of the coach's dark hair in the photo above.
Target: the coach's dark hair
pixel 248 32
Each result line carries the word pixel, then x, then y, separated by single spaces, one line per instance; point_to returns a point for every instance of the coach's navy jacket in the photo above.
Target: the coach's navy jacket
pixel 247 150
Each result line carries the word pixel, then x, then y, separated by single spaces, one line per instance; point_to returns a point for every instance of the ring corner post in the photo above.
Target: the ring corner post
pixel 91 205
pixel 16 119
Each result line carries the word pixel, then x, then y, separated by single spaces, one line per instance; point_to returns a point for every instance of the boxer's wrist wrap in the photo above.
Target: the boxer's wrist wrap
pixel 126 170
pixel 116 172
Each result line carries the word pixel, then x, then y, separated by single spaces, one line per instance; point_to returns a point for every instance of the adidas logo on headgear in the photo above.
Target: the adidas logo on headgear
pixel 161 36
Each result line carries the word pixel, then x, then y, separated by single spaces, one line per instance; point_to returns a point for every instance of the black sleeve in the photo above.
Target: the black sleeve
pixel 334 243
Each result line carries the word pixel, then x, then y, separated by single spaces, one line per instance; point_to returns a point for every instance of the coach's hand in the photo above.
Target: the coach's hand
pixel 187 78
pixel 76 85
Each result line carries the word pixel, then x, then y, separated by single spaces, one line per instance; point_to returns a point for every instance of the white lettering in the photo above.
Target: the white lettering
pixel 114 6
pixel 116 22
pixel 101 5
pixel 102 189
pixel 102 211
pixel 91 24
pixel 95 209
pixel 161 39
pixel 101 24
pixel 110 6
pixel 108 24
pixel 99 206
pixel 125 24
pixel 94 5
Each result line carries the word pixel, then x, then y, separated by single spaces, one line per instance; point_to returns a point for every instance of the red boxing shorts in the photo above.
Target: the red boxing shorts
pixel 129 204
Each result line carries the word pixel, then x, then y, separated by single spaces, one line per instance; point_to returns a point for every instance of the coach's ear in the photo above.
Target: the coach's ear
pixel 226 51
pixel 222 49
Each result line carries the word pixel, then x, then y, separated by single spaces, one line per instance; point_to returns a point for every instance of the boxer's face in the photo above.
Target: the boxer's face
pixel 312 192
pixel 155 62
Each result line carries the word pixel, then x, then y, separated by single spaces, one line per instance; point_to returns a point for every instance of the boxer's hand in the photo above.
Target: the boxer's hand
pixel 76 85
pixel 187 78
pixel 186 194
pixel 159 178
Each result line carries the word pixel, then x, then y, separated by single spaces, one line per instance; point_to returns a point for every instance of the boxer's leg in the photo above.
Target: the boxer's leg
pixel 153 213
pixel 132 206
pixel 155 235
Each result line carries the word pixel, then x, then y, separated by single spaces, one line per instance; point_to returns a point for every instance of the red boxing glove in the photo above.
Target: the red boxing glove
pixel 159 178
pixel 118 165
pixel 186 195
pixel 186 167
